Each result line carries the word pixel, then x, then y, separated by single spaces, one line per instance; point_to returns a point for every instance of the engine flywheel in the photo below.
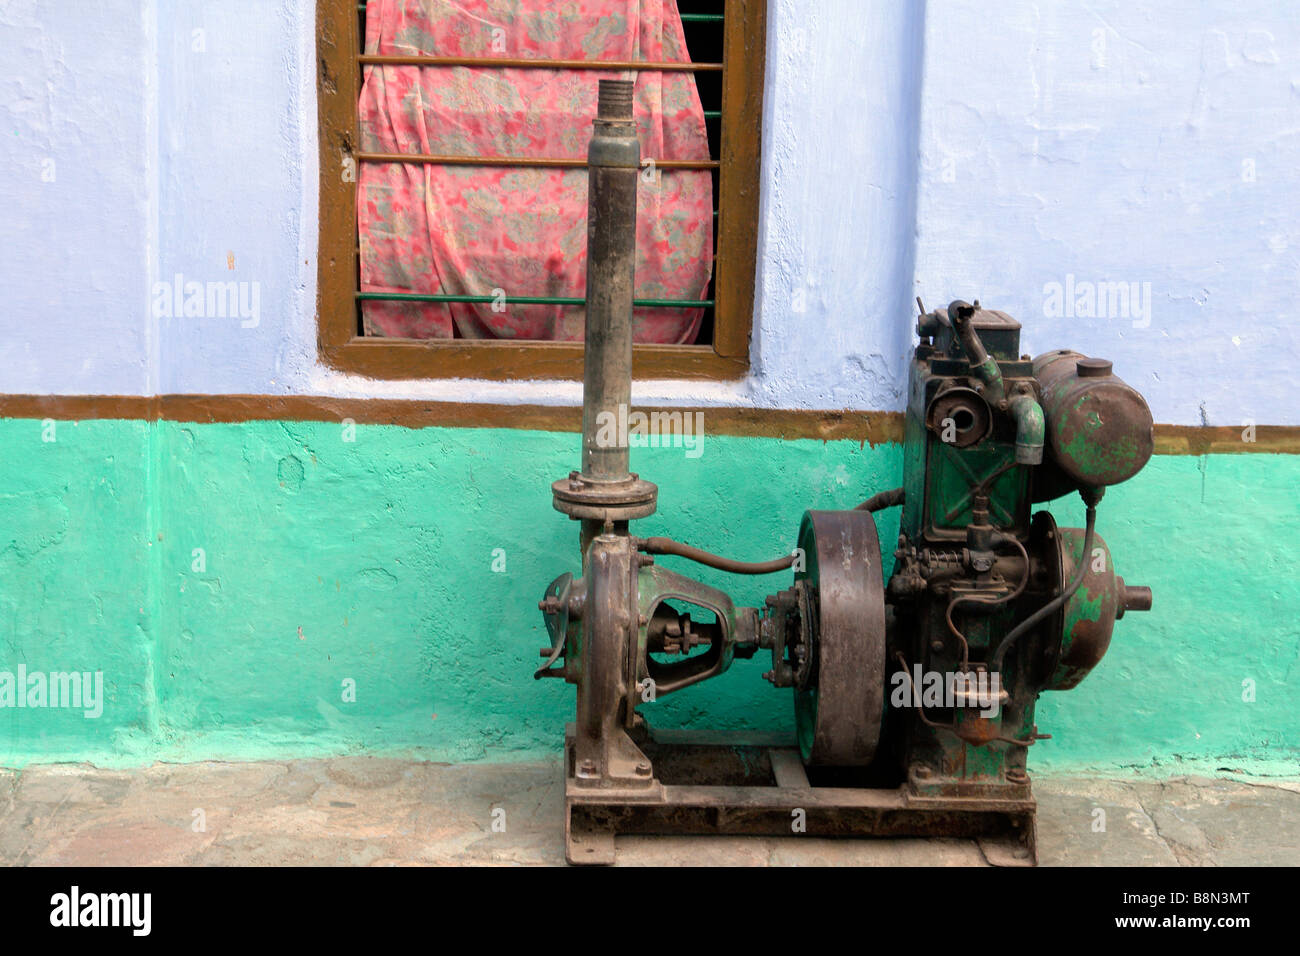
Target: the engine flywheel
pixel 840 687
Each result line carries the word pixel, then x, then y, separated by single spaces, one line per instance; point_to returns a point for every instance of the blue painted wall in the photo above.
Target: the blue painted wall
pixel 941 149
pixel 1155 144
pixel 77 195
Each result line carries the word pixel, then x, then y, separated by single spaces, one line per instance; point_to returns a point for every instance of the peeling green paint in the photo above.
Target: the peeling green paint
pixel 230 580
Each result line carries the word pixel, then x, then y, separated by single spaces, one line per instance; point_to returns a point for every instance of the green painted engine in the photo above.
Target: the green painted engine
pixel 913 697
pixel 990 603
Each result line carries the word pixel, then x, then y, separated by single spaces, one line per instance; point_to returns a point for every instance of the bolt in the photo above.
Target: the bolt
pixel 936 646
pixel 643 769
pixel 588 766
pixel 921 771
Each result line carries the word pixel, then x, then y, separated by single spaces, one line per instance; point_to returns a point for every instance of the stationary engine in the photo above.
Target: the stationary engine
pixel 913 697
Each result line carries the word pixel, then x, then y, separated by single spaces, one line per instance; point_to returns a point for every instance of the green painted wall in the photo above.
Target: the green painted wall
pixel 326 561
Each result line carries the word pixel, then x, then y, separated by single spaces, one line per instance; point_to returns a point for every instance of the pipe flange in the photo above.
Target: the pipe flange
pixel 580 497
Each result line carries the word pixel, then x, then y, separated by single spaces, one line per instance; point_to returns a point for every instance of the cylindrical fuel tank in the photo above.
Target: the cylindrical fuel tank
pixel 1099 427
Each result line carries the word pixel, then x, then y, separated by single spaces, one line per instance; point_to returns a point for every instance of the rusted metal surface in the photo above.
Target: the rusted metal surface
pixel 1088 617
pixel 669 546
pixel 840 698
pixel 752 803
pixel 603 753
pixel 962 413
pixel 656 586
pixel 555 608
pixel 984 591
pixel 605 489
pixel 1099 426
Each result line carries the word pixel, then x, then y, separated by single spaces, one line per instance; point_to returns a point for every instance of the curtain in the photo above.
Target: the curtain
pixel 473 230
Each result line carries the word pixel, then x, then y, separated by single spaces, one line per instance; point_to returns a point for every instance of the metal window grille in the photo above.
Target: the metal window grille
pixel 698 31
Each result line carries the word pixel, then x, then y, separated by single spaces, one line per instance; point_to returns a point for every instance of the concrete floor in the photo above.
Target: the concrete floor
pixel 370 811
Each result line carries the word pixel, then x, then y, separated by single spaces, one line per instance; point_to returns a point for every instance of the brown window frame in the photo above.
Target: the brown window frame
pixel 339 345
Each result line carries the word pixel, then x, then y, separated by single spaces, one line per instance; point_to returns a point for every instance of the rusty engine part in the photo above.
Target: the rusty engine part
pixel 913 698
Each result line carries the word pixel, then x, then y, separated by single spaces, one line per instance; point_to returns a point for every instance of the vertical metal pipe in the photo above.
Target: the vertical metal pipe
pixel 613 164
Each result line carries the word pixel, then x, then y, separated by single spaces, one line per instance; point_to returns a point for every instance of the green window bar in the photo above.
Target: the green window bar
pixel 526 300
pixel 527 63
pixel 544 162
pixel 457 160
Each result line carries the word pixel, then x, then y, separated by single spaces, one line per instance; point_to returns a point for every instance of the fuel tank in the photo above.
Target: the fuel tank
pixel 1098 426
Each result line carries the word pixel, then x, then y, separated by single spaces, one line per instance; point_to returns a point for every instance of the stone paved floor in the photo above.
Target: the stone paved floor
pixel 372 811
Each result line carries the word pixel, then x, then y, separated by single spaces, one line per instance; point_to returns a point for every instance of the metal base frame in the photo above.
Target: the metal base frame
pixel 710 784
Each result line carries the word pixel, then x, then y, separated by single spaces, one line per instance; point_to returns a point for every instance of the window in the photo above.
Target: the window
pixel 725 41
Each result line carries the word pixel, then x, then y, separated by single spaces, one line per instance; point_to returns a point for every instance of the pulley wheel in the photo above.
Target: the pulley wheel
pixel 839 702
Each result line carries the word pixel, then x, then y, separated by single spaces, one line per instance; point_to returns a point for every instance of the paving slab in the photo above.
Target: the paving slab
pixel 369 811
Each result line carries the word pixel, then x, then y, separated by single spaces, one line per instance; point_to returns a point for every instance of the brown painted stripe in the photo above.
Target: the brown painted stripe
pixel 867 427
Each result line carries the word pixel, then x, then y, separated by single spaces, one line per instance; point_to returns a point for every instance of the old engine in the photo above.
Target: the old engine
pixel 914 696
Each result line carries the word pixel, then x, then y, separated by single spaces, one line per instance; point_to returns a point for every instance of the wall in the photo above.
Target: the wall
pixel 1115 143
pixel 324 561
pixel 78 186
pixel 909 149
pixel 1153 144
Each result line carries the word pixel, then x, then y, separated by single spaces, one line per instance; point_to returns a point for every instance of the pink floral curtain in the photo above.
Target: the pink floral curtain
pixel 471 230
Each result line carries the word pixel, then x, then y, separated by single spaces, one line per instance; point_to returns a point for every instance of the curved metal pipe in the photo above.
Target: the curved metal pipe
pixel 1031 429
pixel 669 546
pixel 882 500
pixel 985 367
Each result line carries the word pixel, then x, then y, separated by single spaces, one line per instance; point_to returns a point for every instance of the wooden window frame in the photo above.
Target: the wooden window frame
pixel 339 345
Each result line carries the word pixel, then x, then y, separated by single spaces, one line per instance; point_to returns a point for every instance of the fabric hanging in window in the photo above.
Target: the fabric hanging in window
pixel 472 230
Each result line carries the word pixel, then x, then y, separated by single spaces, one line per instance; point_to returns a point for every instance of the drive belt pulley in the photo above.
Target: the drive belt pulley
pixel 837 651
